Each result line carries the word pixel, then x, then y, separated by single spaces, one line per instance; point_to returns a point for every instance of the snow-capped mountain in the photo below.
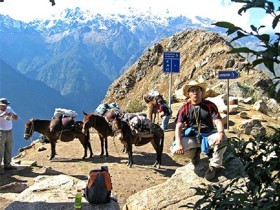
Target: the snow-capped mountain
pixel 79 53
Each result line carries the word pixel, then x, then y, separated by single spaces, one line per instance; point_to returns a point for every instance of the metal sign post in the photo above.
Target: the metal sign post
pixel 171 64
pixel 228 75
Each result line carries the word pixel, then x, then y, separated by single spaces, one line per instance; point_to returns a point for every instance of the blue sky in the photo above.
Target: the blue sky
pixel 218 10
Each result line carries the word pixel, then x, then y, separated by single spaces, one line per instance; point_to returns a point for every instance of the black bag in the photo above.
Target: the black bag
pixel 99 186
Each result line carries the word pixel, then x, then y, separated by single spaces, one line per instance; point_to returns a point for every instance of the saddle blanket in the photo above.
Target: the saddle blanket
pixel 144 134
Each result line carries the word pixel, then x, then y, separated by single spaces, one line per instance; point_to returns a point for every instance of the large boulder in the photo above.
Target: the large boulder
pixel 54 192
pixel 179 190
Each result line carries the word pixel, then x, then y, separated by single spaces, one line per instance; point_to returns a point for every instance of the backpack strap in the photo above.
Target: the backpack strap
pixel 184 108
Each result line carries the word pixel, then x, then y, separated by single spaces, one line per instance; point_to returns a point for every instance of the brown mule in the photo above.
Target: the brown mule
pixel 124 133
pixel 42 126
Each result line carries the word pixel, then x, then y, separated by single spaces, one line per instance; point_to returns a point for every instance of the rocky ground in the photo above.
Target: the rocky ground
pixel 126 181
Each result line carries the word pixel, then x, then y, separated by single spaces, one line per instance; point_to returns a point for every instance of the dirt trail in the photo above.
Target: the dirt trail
pixel 126 181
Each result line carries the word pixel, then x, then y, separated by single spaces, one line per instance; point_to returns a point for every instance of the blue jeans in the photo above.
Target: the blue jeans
pixel 165 121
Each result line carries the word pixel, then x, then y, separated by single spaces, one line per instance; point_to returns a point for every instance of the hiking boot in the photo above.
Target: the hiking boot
pixel 196 158
pixel 210 173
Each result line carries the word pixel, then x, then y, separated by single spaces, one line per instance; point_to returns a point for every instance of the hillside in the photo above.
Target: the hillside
pixel 203 55
pixel 29 99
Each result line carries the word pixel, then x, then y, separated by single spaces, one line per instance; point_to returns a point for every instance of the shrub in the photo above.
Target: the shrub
pixel 135 106
pixel 256 184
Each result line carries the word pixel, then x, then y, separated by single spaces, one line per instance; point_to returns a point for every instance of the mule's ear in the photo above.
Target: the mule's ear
pixel 84 113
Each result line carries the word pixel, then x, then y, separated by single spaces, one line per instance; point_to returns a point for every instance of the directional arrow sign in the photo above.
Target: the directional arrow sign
pixel 171 62
pixel 228 74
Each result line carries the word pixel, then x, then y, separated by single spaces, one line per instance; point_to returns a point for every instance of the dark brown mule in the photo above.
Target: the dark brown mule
pixel 124 133
pixel 101 125
pixel 42 127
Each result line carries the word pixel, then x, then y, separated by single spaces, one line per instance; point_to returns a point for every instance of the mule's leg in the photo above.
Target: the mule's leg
pixel 150 112
pixel 85 146
pixel 102 145
pixel 106 146
pixel 53 153
pixel 129 152
pixel 124 149
pixel 158 146
pixel 155 117
pixel 88 145
pixel 90 149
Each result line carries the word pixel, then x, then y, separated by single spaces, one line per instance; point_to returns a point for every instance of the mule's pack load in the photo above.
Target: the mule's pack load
pixel 152 96
pixel 63 119
pixel 102 109
pixel 140 125
pixel 64 112
pixel 99 186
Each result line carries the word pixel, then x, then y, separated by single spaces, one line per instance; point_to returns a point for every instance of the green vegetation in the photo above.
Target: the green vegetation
pixel 256 183
pixel 250 92
pixel 136 106
pixel 269 53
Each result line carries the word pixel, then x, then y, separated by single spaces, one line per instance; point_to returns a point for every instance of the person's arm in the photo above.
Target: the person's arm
pixel 178 140
pixel 14 116
pixel 220 129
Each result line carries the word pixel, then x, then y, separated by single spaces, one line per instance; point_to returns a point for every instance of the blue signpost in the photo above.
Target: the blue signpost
pixel 171 64
pixel 228 75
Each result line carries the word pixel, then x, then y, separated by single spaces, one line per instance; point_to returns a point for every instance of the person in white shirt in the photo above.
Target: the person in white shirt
pixel 7 114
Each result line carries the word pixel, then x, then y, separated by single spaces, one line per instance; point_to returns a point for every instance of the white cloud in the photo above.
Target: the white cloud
pixel 219 10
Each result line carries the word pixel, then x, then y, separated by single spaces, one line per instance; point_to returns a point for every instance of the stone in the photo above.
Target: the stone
pixel 179 189
pixel 243 115
pixel 55 192
pixel 261 106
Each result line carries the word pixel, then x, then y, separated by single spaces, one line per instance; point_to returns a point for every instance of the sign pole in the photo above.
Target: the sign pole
pixel 228 104
pixel 169 92
pixel 228 75
pixel 171 63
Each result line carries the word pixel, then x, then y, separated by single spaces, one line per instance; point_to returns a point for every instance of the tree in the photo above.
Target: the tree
pixel 269 55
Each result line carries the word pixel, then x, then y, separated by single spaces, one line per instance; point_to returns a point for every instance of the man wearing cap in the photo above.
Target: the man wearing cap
pixel 199 127
pixel 7 114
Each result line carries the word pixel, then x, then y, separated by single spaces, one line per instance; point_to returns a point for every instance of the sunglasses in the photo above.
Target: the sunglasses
pixel 194 89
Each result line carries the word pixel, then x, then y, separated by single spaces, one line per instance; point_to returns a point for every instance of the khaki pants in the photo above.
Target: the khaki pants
pixel 6 142
pixel 190 144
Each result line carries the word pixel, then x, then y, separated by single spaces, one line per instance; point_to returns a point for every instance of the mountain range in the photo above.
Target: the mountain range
pixel 80 54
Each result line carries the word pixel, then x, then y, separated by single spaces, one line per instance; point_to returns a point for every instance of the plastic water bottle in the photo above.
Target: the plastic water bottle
pixel 78 199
